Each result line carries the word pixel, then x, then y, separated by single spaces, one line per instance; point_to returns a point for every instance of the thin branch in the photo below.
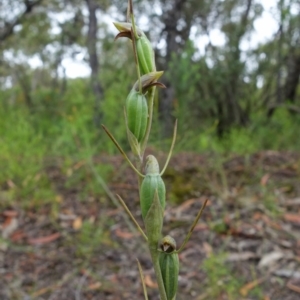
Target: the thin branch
pixel 142 279
pixel 171 149
pixel 132 217
pixel 122 151
pixel 192 227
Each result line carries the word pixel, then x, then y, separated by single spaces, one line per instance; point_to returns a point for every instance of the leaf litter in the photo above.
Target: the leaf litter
pixel 85 250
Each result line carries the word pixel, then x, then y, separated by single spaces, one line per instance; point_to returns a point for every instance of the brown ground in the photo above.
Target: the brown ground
pixel 82 247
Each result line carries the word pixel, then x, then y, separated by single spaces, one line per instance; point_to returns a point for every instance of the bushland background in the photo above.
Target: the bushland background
pixel 238 106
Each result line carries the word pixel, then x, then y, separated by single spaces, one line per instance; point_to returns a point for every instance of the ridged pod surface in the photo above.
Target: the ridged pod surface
pixel 169 266
pixel 137 113
pixel 144 48
pixel 145 55
pixel 150 184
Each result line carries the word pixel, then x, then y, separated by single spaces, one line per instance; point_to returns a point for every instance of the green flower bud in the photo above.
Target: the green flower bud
pixel 169 266
pixel 137 113
pixel 150 184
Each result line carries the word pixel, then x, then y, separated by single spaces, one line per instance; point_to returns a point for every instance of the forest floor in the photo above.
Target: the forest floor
pixel 245 246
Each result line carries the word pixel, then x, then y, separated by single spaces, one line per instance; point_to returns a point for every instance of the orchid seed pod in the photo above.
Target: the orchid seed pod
pixel 137 113
pixel 169 266
pixel 144 48
pixel 145 55
pixel 153 221
pixel 150 184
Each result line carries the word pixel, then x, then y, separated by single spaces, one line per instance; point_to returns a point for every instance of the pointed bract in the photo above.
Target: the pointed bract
pixel 149 80
pixel 154 220
pixel 152 183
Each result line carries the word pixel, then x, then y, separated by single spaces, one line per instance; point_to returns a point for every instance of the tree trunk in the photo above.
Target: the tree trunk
pixel 173 47
pixel 8 28
pixel 292 79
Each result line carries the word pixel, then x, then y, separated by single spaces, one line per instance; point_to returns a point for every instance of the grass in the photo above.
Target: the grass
pixel 219 278
pixel 90 237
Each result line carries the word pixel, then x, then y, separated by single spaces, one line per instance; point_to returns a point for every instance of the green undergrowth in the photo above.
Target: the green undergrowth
pixel 277 133
pixel 61 131
pixel 220 280
pixel 90 238
pixel 223 281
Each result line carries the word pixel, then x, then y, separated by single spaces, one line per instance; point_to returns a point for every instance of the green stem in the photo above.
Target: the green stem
pixel 151 102
pixel 155 260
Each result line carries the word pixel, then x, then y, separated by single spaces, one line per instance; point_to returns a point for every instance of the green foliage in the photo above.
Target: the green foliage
pixel 90 237
pixel 219 278
pixel 185 76
pixel 21 159
pixel 278 133
pixel 57 127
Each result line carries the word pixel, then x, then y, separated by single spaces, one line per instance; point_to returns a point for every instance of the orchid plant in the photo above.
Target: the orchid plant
pixel 138 111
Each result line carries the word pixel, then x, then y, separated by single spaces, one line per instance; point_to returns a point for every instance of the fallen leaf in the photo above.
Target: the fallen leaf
pixel 293 287
pixel 11 184
pixel 77 223
pixel 292 202
pixel 124 234
pixel 251 285
pixel 10 213
pixel 149 282
pixel 45 239
pixel 17 235
pixel 241 256
pixel 207 249
pixel 188 203
pixel 257 216
pixel 287 273
pixel 270 258
pixel 293 218
pixel 95 286
pixel 200 227
pixel 43 291
pixel 185 205
pixel 79 165
pixel 9 226
pixel 264 180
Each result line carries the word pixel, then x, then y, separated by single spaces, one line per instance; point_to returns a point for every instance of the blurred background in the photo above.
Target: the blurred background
pixel 232 72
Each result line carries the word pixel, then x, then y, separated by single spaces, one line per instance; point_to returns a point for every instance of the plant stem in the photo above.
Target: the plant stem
pixel 151 101
pixel 155 260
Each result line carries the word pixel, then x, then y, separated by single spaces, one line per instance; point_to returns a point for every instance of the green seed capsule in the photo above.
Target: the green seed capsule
pixel 150 184
pixel 145 55
pixel 169 266
pixel 137 113
pixel 144 48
